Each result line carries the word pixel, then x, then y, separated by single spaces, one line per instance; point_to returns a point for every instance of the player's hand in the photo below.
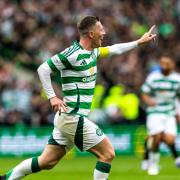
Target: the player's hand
pixel 151 102
pixel 148 36
pixel 178 118
pixel 57 104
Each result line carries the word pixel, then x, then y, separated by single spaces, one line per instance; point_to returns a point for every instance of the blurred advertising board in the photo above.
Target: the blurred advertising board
pixel 19 141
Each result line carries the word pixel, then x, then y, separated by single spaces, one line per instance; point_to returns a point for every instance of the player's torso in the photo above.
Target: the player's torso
pixel 164 91
pixel 78 81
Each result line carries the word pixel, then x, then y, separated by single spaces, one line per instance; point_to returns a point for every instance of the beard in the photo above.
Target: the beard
pixel 96 45
pixel 97 42
pixel 166 72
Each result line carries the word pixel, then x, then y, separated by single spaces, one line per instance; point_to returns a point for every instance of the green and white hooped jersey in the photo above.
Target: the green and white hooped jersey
pixel 78 70
pixel 164 90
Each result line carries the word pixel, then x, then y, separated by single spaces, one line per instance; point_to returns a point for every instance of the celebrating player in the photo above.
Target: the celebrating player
pixel 77 67
pixel 160 92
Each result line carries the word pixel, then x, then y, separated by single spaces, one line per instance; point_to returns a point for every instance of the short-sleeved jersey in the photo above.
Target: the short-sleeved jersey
pixel 164 90
pixel 78 71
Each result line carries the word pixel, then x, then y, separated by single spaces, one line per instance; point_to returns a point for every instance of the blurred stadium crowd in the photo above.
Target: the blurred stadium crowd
pixel 31 31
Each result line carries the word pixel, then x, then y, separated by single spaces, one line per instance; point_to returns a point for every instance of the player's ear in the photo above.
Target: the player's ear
pixel 91 34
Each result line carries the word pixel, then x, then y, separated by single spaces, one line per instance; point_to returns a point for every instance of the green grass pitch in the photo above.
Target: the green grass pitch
pixel 81 168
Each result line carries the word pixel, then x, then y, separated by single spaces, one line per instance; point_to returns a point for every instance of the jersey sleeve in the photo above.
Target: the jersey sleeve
pixel 44 72
pixel 58 62
pixel 178 92
pixel 146 87
pixel 116 49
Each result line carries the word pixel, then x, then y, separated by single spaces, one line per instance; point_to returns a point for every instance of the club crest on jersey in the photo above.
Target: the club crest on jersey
pixel 99 132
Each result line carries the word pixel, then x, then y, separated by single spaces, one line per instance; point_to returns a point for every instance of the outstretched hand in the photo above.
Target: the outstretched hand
pixel 148 36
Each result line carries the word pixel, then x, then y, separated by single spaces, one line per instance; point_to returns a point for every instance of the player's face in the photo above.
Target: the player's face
pixel 167 65
pixel 97 35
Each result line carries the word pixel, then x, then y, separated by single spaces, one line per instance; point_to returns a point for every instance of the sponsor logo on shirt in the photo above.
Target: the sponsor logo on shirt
pixel 89 78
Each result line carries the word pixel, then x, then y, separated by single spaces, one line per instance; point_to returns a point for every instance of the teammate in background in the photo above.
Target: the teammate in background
pixel 77 66
pixel 178 111
pixel 145 161
pixel 160 92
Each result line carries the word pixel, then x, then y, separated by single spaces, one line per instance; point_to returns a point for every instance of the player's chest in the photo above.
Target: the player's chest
pixel 87 65
pixel 165 88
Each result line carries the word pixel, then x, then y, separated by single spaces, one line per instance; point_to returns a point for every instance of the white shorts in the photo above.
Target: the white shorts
pixel 157 123
pixel 70 130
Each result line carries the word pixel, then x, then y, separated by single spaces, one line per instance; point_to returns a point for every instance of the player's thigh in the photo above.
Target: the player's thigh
pixel 88 134
pixel 154 124
pixel 169 138
pixel 170 126
pixel 154 140
pixel 103 150
pixel 157 138
pixel 51 155
pixel 64 128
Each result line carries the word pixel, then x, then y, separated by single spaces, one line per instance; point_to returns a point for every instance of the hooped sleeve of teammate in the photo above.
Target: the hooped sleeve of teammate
pixel 146 90
pixel 44 72
pixel 121 48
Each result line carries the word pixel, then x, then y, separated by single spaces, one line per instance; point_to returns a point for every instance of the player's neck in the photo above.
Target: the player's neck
pixel 86 44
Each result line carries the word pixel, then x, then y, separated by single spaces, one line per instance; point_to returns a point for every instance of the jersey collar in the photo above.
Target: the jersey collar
pixel 77 43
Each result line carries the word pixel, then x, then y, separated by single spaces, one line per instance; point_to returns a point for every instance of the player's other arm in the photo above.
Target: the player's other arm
pixel 177 103
pixel 148 100
pixel 44 72
pixel 146 90
pixel 121 48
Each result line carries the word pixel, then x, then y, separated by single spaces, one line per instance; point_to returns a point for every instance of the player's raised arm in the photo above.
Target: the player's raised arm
pixel 121 48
